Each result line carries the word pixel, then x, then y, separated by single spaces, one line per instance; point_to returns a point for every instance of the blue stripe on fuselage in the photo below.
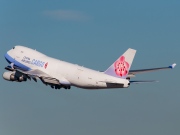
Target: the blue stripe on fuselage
pixel 16 63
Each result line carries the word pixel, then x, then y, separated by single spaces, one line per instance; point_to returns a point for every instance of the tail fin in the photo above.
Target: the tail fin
pixel 120 68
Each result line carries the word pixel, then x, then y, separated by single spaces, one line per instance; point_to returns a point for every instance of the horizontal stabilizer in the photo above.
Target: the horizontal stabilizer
pixel 133 72
pixel 148 81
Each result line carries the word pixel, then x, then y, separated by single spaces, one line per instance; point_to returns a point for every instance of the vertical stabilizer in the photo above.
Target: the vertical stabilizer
pixel 120 68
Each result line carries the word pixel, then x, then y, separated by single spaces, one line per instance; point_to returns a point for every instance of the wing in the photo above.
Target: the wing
pixel 45 78
pixel 132 73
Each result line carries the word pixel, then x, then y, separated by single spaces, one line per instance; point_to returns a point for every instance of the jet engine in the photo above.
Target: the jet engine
pixel 13 76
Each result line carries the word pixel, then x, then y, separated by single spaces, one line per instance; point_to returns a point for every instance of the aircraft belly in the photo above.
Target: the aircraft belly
pixel 92 80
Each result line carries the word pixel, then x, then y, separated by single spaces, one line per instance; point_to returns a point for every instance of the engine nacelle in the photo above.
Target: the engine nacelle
pixel 11 76
pixel 22 78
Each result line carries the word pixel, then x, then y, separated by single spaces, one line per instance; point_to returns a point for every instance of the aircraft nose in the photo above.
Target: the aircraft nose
pixel 8 57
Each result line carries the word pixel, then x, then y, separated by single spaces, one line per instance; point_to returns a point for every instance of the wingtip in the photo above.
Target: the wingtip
pixel 173 66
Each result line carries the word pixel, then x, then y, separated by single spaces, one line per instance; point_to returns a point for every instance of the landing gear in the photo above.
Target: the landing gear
pixel 57 86
pixel 67 87
pixel 60 86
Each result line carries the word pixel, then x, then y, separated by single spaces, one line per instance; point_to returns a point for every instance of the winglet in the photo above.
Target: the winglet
pixel 172 66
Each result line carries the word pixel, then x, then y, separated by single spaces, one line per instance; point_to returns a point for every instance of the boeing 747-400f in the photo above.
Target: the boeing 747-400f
pixel 26 63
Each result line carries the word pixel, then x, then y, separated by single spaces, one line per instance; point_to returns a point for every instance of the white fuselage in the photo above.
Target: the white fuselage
pixel 78 76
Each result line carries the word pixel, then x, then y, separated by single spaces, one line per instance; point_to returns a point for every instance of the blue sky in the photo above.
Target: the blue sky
pixel 93 34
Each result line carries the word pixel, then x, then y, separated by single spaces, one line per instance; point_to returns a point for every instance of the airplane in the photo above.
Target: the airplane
pixel 26 64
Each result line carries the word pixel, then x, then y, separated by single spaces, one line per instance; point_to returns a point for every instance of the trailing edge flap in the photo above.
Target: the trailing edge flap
pixel 34 73
pixel 45 78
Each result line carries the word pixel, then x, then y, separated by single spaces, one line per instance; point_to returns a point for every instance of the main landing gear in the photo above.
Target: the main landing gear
pixel 60 86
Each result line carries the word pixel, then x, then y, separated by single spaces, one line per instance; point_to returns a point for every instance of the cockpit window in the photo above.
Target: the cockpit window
pixel 13 47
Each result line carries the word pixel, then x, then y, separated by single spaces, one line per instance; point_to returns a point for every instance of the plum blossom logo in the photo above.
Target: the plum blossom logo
pixel 45 66
pixel 121 67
